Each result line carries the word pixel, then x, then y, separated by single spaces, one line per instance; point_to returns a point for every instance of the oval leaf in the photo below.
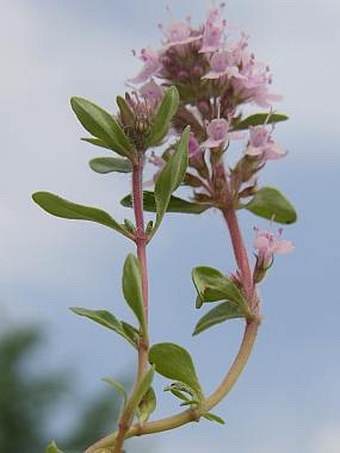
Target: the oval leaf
pixel 221 313
pixel 212 285
pixel 269 203
pixel 147 405
pixel 171 177
pixel 142 389
pixel 175 204
pixel 102 125
pixel 132 288
pixel 65 209
pixel 167 109
pixel 174 362
pixel 106 319
pixel 258 120
pixel 105 165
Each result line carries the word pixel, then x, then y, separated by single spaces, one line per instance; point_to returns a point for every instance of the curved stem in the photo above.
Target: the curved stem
pixel 234 371
pixel 175 421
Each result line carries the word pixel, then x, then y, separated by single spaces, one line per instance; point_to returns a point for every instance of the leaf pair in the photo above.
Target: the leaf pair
pixel 168 181
pixel 211 286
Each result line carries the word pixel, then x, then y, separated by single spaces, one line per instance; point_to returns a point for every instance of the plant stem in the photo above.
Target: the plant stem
pixel 143 345
pixel 240 252
pixel 239 362
pixel 190 415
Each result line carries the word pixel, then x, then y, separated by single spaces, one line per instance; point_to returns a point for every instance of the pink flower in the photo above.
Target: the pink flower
pixel 218 133
pixel 262 146
pixel 152 92
pixel 151 67
pixel 179 33
pixel 269 244
pixel 213 30
pixel 223 64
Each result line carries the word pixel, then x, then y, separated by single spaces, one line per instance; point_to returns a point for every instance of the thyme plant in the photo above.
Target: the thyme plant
pixel 183 112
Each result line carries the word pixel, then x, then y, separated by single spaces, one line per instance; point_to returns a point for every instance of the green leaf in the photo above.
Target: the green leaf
pixel 147 405
pixel 181 391
pixel 105 165
pixel 127 115
pixel 143 388
pixel 132 288
pixel 52 448
pixel 131 331
pixel 212 285
pixel 269 203
pixel 167 109
pixel 174 362
pixel 171 177
pixel 118 386
pixel 65 209
pixel 101 124
pixel 223 312
pixel 175 204
pixel 213 418
pixel 258 119
pixel 95 141
pixel 106 319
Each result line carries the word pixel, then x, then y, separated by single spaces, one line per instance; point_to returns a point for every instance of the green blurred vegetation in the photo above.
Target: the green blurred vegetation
pixel 30 400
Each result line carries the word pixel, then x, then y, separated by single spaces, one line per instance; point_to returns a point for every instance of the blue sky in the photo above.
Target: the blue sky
pixel 288 399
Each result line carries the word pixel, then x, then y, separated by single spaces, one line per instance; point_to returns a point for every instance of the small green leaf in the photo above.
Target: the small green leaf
pixel 269 203
pixel 171 177
pixel 118 386
pixel 258 119
pixel 213 418
pixel 106 319
pixel 174 362
pixel 101 124
pixel 52 448
pixel 132 288
pixel 131 331
pixel 147 405
pixel 212 285
pixel 175 204
pixel 143 388
pixel 127 115
pixel 167 109
pixel 96 142
pixel 223 312
pixel 181 391
pixel 65 209
pixel 105 165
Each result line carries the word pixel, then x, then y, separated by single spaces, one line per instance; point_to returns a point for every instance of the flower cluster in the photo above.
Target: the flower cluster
pixel 216 75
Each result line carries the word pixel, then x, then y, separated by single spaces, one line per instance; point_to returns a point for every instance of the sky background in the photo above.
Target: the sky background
pixel 288 399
